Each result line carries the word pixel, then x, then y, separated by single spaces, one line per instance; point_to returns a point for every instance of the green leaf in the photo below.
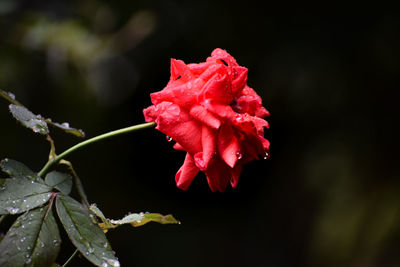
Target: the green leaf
pixel 15 168
pixel 33 240
pixel 19 195
pixel 135 219
pixel 9 97
pixel 84 234
pixel 34 122
pixel 139 219
pixel 60 181
pixel 66 128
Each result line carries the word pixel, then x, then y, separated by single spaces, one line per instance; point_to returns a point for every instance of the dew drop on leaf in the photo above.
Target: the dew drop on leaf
pixel 12 210
pixel 111 262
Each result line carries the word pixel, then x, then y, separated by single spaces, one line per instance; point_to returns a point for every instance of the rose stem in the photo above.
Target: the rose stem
pixel 50 163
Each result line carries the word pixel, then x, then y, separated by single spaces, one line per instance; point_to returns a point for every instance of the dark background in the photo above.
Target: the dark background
pixel 328 196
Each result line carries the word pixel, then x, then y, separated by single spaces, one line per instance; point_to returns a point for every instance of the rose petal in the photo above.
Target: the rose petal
pixel 223 111
pixel 178 124
pixel 240 79
pixel 218 175
pixel 235 173
pixel 208 140
pixel 186 173
pixel 228 145
pixel 219 89
pixel 177 146
pixel 179 69
pixel 203 115
pixel 219 54
pixel 182 95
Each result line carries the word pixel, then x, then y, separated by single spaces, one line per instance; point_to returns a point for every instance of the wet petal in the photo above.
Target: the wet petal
pixel 228 145
pixel 219 89
pixel 179 69
pixel 202 114
pixel 218 175
pixel 208 140
pixel 178 124
pixel 235 173
pixel 240 79
pixel 186 173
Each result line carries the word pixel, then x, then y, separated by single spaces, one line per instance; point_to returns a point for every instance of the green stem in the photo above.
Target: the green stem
pixel 70 258
pixel 50 163
pixel 10 99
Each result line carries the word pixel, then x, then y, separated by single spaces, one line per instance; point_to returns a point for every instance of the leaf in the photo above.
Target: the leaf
pixel 140 219
pixel 66 128
pixel 18 169
pixel 33 240
pixel 10 97
pixel 84 234
pixel 19 195
pixel 60 181
pixel 34 122
pixel 135 219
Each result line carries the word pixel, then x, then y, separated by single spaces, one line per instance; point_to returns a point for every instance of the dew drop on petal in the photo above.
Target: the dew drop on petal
pixel 169 139
pixel 239 155
pixel 266 155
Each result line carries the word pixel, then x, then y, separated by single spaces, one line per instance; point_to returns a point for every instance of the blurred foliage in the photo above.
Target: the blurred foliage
pixel 329 195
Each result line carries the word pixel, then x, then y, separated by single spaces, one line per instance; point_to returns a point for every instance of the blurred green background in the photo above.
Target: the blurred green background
pixel 329 195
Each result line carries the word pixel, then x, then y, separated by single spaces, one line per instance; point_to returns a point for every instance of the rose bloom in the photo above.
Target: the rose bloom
pixel 211 113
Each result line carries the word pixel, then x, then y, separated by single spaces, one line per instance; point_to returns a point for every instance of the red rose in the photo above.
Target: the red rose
pixel 211 113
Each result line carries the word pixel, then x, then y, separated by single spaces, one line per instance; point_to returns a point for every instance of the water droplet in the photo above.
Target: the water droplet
pixel 32 182
pixel 266 155
pixel 23 239
pixel 25 200
pixel 28 247
pixel 11 95
pixel 65 124
pixel 12 210
pixel 14 201
pixel 169 139
pixel 112 262
pixel 41 244
pixel 239 155
pixel 105 264
pixel 23 226
pixel 91 250
pixel 105 245
pixel 56 242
